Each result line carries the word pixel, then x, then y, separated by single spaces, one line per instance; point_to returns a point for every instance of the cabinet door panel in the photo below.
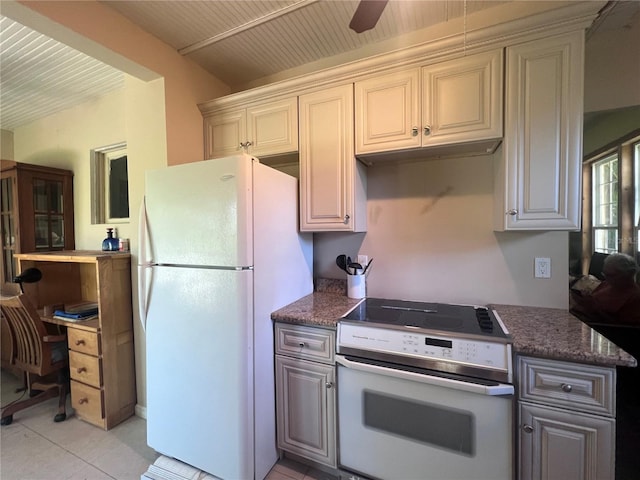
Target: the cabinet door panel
pixel 224 133
pixel 306 409
pixel 543 134
pixel 327 160
pixel 387 112
pixel 462 99
pixel 565 444
pixel 273 128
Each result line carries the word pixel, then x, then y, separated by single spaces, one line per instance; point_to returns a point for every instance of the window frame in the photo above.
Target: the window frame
pixel 600 188
pixel 100 190
pixel 627 149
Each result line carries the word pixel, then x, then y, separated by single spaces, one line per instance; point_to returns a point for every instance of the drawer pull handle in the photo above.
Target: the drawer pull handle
pixel 527 428
pixel 79 342
pixel 81 369
pixel 83 400
pixel 302 344
pixel 566 387
pixel 329 384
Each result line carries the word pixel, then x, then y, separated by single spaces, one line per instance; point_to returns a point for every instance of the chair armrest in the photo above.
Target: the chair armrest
pixel 54 338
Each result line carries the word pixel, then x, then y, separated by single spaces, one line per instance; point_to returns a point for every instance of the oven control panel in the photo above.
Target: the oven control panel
pixel 420 345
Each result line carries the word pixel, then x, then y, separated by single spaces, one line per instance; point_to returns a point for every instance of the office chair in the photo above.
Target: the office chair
pixel 35 352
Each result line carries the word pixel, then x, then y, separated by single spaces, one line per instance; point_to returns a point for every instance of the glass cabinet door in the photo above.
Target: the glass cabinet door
pixel 48 214
pixel 8 229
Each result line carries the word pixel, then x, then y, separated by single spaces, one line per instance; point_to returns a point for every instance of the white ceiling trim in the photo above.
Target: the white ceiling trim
pixel 246 26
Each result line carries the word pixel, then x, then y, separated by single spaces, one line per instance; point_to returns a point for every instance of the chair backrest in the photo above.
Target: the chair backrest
pixel 31 353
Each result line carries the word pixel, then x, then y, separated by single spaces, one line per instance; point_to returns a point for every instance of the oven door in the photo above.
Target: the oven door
pixel 406 424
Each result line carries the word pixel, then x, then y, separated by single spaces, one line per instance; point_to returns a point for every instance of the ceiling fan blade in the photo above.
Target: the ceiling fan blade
pixel 367 14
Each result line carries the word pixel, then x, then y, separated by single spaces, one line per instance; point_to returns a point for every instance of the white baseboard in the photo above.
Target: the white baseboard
pixel 140 411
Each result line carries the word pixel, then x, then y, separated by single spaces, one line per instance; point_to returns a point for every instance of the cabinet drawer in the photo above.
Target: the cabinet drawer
pixel 575 386
pixel 85 368
pixel 83 341
pixel 87 402
pixel 306 342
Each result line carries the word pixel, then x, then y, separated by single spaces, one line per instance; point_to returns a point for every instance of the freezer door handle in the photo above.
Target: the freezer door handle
pixel 143 265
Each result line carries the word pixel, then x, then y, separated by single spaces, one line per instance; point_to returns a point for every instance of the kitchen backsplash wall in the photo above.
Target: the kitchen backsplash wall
pixel 431 237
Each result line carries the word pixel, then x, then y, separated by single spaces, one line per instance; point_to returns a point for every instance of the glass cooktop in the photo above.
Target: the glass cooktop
pixel 460 319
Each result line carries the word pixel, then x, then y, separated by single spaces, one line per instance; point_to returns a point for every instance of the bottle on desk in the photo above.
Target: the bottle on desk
pixel 110 244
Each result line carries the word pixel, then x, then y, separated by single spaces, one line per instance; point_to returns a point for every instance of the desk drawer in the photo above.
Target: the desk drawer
pixel 87 402
pixel 83 341
pixel 310 343
pixel 588 388
pixel 85 368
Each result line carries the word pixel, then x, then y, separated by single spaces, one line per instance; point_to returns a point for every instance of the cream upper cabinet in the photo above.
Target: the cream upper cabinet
pixel 456 101
pixel 332 181
pixel 388 112
pixel 259 129
pixel 538 174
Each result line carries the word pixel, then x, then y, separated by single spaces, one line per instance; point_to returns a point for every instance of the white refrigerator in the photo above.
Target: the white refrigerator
pixel 219 251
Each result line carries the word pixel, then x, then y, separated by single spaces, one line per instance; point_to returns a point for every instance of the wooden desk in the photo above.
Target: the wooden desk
pixel 90 325
pixel 101 354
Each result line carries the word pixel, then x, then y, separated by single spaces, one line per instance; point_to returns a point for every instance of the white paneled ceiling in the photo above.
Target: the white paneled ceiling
pixel 239 41
pixel 40 76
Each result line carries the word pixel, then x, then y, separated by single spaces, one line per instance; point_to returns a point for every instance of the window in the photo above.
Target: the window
pixel 110 184
pixel 605 204
pixel 611 213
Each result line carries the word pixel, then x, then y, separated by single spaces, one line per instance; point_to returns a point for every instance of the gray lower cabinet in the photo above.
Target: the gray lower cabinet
pixel 566 420
pixel 305 392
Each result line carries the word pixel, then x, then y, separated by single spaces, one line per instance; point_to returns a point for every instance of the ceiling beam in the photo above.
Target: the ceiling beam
pixel 246 26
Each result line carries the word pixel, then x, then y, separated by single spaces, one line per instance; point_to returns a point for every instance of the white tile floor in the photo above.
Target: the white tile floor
pixel 33 447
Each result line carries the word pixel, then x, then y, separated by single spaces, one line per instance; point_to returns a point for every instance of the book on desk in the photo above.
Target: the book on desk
pixel 77 312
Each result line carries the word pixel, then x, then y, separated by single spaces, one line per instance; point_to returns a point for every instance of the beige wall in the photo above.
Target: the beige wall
pixel 430 233
pixel 6 145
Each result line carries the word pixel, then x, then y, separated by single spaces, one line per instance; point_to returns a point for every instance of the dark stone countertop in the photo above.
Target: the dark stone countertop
pixel 543 332
pixel 555 333
pixel 319 309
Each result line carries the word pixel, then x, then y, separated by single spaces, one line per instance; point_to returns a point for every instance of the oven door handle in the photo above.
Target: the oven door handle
pixel 493 390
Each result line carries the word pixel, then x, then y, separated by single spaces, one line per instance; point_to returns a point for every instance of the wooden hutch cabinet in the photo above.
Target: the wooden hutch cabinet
pixel 36 212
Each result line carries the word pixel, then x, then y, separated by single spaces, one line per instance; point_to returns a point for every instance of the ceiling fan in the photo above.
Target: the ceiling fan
pixel 367 15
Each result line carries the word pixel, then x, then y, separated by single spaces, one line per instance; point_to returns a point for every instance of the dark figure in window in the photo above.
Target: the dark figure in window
pixel 617 299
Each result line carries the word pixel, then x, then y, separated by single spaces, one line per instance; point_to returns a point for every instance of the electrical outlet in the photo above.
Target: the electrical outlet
pixel 363 260
pixel 542 267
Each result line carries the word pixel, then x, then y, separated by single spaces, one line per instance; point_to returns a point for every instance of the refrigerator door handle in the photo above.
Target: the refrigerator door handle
pixel 143 265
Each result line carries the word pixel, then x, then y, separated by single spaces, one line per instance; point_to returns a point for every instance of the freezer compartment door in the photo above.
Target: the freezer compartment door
pixel 200 213
pixel 200 368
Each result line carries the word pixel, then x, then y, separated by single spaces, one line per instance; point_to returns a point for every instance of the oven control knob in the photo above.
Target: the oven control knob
pixel 527 428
